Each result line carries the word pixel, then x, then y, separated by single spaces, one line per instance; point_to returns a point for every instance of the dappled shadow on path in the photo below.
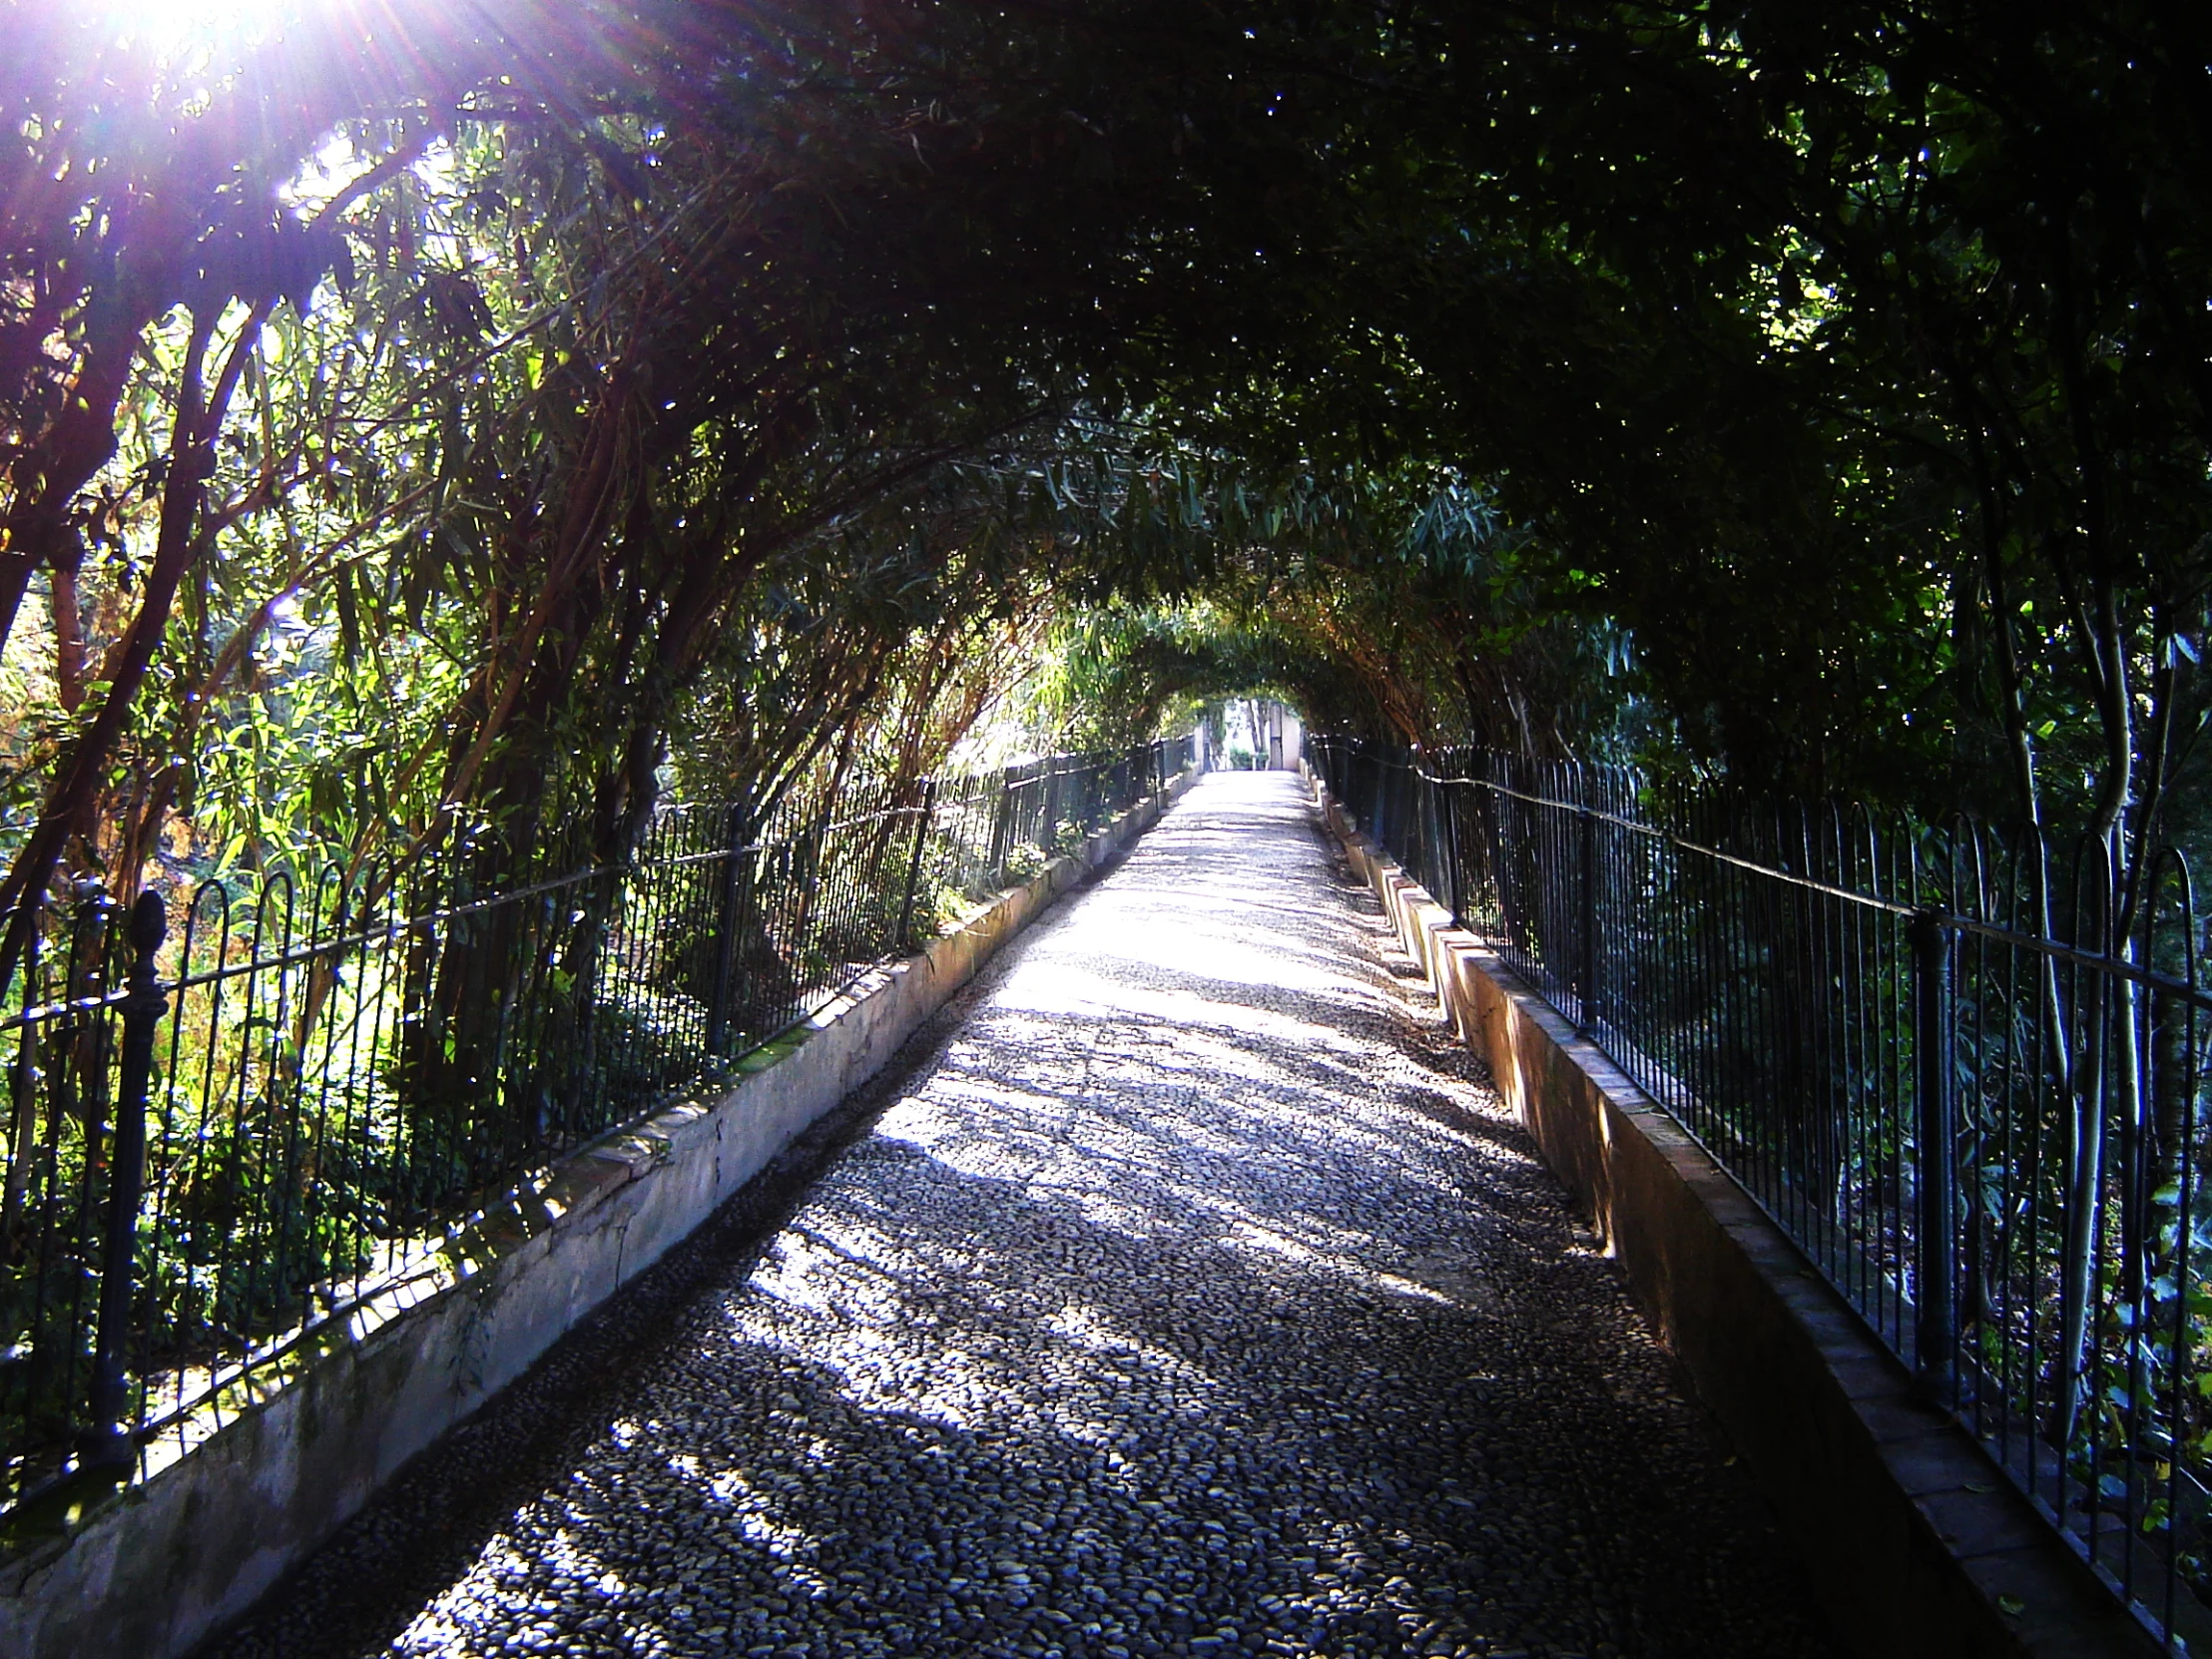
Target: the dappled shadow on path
pixel 1190 1299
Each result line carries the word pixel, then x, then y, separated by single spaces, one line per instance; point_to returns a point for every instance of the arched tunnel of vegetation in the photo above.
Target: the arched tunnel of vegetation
pixel 569 470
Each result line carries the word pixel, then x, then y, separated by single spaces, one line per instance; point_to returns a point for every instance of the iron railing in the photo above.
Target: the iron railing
pixel 239 1115
pixel 1969 1079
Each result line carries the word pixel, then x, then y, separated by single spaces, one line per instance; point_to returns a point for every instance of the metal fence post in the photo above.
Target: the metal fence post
pixel 1002 828
pixel 1936 1213
pixel 924 816
pixel 725 934
pixel 108 1442
pixel 1588 988
pixel 1448 825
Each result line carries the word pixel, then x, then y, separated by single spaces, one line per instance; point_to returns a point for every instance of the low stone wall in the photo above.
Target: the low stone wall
pixel 1909 1531
pixel 155 1569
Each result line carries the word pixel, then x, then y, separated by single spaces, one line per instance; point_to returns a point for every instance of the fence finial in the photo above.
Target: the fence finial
pixel 148 927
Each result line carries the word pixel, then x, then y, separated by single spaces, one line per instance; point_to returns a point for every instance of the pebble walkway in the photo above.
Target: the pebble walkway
pixel 1192 1294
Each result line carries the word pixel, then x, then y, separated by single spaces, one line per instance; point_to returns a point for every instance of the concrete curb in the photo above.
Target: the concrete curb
pixel 153 1570
pixel 1909 1532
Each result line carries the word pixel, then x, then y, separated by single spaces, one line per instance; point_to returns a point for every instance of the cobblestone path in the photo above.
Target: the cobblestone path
pixel 1192 1295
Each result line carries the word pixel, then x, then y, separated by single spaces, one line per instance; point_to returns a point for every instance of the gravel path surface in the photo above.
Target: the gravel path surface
pixel 1192 1294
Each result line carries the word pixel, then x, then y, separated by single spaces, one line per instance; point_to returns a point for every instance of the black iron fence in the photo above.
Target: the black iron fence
pixel 1968 1077
pixel 239 1115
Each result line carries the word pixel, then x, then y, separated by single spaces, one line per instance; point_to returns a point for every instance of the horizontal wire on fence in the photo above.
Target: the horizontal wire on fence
pixel 2103 962
pixel 1969 1086
pixel 222 1137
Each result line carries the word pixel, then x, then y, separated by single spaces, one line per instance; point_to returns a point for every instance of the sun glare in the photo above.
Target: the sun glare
pixel 170 27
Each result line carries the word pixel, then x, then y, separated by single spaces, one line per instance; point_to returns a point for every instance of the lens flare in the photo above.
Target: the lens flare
pixel 170 28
